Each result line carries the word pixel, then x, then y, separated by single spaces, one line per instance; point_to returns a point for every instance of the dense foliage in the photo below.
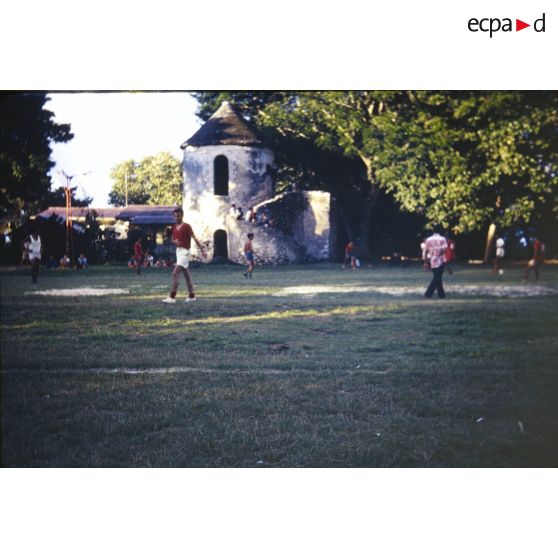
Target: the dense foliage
pixel 457 158
pixel 26 132
pixel 155 180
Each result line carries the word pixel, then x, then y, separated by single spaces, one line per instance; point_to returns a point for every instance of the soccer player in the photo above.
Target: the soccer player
pixel 249 253
pixel 182 235
pixel 537 260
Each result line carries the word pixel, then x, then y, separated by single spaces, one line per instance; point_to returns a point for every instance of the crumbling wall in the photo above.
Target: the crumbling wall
pixel 272 246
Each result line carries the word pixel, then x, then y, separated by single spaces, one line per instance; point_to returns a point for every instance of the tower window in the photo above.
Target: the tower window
pixel 221 176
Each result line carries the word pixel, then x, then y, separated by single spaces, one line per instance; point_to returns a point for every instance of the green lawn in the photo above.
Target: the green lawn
pixel 303 366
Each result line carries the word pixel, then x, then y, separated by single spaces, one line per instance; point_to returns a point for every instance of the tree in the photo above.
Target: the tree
pixel 325 136
pixel 26 132
pixel 460 159
pixel 467 159
pixel 155 180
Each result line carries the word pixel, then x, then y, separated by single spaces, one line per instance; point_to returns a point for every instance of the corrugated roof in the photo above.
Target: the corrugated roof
pixel 77 212
pixel 226 127
pixel 139 214
pixel 143 212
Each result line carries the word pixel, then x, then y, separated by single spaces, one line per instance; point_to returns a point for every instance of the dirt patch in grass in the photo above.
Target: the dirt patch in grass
pixel 512 291
pixel 81 291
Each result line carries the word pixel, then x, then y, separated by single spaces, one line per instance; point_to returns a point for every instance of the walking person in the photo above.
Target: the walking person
pixel 35 250
pixel 138 255
pixel 250 254
pixel 25 252
pixel 182 235
pixel 500 253
pixel 350 255
pixel 537 260
pixel 435 248
pixel 449 256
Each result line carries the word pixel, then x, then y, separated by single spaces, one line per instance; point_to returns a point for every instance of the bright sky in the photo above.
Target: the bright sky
pixel 111 127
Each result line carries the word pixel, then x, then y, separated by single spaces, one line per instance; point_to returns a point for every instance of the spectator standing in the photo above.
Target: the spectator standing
pixel 350 255
pixel 35 251
pixel 435 248
pixel 82 262
pixel 138 255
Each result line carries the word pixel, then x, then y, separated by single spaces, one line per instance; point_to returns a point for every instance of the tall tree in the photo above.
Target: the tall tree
pixel 26 132
pixel 467 159
pixel 155 180
pixel 461 159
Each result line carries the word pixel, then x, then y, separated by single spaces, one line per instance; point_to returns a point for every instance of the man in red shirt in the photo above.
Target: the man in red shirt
pixel 350 256
pixel 537 259
pixel 138 255
pixel 182 235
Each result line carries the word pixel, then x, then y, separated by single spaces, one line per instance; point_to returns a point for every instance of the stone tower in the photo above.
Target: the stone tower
pixel 225 162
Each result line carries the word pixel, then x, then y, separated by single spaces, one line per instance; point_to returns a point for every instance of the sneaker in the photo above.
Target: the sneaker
pixel 169 300
pixel 188 299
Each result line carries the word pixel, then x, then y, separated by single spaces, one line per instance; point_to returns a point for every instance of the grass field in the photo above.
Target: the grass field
pixel 303 366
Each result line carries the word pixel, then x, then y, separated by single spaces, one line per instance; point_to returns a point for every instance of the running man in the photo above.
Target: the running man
pixel 182 235
pixel 249 253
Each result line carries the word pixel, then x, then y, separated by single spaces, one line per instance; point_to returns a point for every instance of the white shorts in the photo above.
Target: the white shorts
pixel 182 257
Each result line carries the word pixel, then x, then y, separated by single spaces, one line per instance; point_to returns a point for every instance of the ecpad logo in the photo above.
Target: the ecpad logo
pixel 493 25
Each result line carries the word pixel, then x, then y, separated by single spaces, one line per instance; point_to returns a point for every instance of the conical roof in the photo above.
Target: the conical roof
pixel 226 127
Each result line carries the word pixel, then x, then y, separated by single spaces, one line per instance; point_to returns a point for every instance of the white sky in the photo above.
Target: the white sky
pixel 111 127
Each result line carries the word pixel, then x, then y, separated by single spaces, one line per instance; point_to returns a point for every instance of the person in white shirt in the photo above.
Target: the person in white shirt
pixel 435 248
pixel 35 250
pixel 500 253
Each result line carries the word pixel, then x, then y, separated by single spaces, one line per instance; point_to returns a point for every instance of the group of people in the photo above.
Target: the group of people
pixel 534 264
pixel 438 252
pixel 259 217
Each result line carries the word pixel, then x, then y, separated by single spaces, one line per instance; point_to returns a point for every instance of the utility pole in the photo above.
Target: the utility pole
pixel 68 189
pixel 126 188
